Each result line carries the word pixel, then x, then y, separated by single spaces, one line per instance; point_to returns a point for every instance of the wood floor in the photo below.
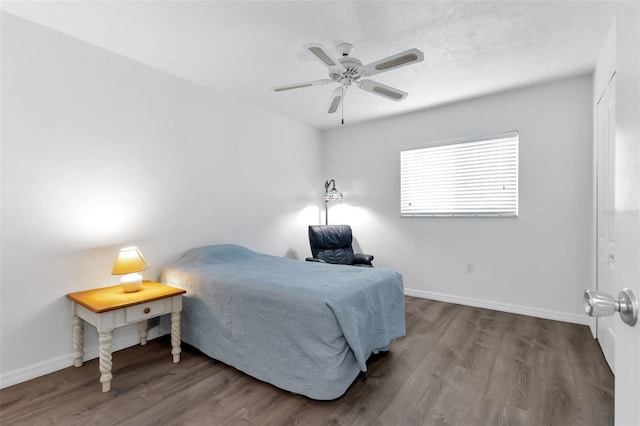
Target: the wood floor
pixel 458 365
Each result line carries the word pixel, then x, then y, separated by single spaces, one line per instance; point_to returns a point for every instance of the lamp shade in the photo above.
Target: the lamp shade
pixel 129 260
pixel 332 194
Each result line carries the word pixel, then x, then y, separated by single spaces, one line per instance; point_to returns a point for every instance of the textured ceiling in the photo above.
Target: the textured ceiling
pixel 243 49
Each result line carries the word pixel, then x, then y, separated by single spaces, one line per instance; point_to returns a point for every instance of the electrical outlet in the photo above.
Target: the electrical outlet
pixel 469 267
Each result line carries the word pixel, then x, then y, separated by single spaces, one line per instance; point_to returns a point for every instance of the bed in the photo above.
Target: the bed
pixel 304 327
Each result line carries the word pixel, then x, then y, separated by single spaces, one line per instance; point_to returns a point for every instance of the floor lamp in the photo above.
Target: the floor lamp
pixel 330 195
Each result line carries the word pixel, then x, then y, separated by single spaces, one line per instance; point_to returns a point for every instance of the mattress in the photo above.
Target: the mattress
pixel 305 327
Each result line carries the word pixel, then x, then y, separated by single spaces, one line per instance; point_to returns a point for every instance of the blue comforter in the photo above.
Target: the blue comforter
pixel 305 327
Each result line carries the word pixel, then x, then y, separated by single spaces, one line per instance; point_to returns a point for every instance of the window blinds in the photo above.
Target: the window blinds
pixel 477 177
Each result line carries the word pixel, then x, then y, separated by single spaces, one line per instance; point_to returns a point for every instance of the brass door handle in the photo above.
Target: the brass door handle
pixel 147 310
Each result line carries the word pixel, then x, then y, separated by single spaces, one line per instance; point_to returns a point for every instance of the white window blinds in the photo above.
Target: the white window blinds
pixel 474 177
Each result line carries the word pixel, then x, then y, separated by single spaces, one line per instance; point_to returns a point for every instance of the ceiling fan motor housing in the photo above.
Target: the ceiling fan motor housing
pixel 353 69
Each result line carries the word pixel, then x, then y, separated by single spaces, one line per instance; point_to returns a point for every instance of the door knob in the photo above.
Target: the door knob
pixel 599 304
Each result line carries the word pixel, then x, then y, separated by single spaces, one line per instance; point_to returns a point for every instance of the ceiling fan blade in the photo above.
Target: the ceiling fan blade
pixel 321 54
pixel 301 85
pixel 336 100
pixel 408 57
pixel 382 90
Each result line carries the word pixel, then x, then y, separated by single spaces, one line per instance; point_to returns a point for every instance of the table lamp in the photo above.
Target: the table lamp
pixel 128 263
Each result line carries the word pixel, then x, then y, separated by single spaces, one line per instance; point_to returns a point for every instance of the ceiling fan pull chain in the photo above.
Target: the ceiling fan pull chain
pixel 342 106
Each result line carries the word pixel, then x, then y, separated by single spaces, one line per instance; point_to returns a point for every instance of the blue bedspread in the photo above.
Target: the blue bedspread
pixel 302 326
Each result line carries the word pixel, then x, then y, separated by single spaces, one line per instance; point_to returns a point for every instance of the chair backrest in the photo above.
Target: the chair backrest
pixel 331 243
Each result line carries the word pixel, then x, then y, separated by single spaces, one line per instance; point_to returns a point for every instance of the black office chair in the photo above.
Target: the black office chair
pixel 332 244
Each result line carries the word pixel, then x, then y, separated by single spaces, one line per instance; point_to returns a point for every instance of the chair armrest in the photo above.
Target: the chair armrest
pixel 361 258
pixel 315 259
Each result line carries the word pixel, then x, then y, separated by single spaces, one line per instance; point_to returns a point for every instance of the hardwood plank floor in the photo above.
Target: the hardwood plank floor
pixel 458 365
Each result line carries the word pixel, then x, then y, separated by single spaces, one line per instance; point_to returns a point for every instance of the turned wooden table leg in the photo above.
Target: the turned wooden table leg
pixel 175 336
pixel 143 332
pixel 105 361
pixel 78 341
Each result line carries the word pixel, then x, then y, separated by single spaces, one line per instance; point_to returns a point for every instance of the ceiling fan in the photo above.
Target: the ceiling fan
pixel 347 70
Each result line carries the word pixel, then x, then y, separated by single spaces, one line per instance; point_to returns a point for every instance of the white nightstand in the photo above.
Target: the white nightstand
pixel 110 307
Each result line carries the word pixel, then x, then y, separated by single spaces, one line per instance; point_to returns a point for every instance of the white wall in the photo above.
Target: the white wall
pixel 100 152
pixel 538 263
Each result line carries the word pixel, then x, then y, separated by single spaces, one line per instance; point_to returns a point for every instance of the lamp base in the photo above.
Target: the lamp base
pixel 131 282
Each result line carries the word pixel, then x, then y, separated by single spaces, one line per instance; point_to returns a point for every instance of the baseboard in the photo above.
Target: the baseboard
pixel 58 363
pixel 497 306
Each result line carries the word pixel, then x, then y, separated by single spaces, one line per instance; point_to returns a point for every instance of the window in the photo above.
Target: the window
pixel 471 177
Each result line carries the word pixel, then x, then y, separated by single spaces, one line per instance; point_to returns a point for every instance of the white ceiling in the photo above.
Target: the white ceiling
pixel 243 49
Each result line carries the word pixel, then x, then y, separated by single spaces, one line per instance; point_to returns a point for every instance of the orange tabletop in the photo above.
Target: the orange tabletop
pixel 109 298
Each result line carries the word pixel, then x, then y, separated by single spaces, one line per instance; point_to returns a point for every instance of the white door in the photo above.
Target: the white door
pixel 606 126
pixel 627 229
pixel 627 203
